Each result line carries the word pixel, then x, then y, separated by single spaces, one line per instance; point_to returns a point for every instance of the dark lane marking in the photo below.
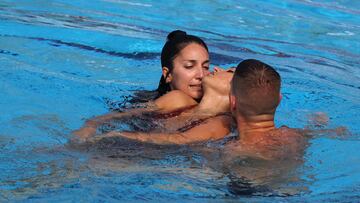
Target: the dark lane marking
pixel 8 53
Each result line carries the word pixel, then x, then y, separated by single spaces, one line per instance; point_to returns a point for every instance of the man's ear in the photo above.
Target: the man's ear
pixel 232 100
pixel 166 74
pixel 280 98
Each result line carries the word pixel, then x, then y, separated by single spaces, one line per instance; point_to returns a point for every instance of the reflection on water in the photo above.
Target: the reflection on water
pixel 131 169
pixel 241 175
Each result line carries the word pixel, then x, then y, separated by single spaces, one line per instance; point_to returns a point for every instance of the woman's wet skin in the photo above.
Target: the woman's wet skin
pixel 190 66
pixel 216 82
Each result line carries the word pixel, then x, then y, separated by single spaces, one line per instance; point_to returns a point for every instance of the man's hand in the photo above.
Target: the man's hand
pixel 318 120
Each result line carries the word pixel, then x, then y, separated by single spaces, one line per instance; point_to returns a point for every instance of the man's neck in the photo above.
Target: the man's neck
pixel 252 128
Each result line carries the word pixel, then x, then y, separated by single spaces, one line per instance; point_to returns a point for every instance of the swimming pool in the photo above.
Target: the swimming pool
pixel 62 62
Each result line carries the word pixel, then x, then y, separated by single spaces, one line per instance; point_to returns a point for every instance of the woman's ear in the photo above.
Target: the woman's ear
pixel 166 74
pixel 232 100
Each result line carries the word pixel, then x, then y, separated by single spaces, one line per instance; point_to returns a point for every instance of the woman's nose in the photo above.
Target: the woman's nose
pixel 200 72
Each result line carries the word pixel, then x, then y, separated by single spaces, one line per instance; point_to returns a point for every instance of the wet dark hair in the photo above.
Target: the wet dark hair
pixel 176 41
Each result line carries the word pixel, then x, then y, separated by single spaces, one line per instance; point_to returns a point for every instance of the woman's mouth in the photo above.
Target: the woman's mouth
pixel 196 87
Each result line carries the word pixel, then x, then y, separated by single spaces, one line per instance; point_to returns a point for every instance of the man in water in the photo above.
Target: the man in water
pixel 254 97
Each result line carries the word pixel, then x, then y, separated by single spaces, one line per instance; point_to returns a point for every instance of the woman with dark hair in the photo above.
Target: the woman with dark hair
pixel 209 120
pixel 184 61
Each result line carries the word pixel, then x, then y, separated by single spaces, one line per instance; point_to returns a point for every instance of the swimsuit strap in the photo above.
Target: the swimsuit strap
pixel 198 121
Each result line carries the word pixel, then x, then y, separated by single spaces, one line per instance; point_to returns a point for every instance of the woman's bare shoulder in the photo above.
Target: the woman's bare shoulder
pixel 173 100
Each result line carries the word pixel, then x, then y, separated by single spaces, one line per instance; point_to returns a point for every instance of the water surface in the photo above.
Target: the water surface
pixel 62 62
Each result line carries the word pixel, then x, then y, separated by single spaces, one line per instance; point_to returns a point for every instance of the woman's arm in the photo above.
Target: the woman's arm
pixel 211 129
pixel 171 101
pixel 89 128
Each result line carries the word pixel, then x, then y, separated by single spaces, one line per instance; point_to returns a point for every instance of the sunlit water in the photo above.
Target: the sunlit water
pixel 64 61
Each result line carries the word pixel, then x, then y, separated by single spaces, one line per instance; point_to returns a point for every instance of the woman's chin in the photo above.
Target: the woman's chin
pixel 197 95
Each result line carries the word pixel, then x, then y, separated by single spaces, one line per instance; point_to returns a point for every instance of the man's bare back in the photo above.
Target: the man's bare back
pixel 280 143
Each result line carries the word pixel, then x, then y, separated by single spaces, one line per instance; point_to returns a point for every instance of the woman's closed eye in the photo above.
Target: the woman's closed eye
pixel 189 65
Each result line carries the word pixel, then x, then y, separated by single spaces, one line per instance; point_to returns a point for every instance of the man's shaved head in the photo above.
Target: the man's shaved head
pixel 256 87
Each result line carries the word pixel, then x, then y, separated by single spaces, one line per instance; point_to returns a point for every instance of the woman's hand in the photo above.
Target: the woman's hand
pixel 84 133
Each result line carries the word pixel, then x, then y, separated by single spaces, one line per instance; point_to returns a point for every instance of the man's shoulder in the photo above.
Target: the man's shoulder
pixel 286 131
pixel 287 136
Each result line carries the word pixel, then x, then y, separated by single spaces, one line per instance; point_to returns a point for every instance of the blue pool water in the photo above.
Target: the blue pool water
pixel 64 61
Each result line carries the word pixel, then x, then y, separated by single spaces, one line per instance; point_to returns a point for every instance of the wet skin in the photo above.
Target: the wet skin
pixel 189 68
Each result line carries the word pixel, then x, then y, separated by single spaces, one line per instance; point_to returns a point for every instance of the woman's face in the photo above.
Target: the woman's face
pixel 189 68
